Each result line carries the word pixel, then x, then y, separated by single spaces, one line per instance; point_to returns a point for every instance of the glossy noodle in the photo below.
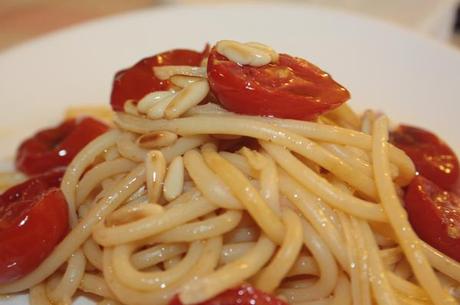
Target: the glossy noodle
pixel 159 207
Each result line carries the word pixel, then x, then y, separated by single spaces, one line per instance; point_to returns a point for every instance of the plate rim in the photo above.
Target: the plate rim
pixel 342 12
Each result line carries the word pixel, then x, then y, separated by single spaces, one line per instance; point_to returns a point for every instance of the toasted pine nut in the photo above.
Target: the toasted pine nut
pixel 157 139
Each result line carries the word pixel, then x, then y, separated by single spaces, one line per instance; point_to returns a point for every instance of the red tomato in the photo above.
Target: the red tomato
pixel 57 146
pixel 291 88
pixel 33 220
pixel 456 187
pixel 435 215
pixel 432 157
pixel 135 82
pixel 244 295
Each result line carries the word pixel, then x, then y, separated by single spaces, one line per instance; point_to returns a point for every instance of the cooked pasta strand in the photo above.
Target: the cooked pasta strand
pixel 398 218
pixel 229 275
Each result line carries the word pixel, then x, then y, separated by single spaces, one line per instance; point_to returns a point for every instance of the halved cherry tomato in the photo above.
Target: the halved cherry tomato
pixel 33 220
pixel 435 215
pixel 135 82
pixel 244 295
pixel 57 146
pixel 291 88
pixel 432 157
pixel 456 187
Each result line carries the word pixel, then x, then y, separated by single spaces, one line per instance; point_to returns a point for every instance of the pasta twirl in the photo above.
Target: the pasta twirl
pixel 159 209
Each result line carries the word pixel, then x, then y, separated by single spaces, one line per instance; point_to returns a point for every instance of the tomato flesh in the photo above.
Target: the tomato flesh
pixel 33 220
pixel 137 81
pixel 57 146
pixel 435 215
pixel 432 157
pixel 291 88
pixel 244 295
pixel 456 187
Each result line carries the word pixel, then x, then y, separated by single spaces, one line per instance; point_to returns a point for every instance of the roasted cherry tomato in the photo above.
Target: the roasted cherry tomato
pixel 244 295
pixel 291 88
pixel 33 220
pixel 456 187
pixel 435 215
pixel 57 146
pixel 433 158
pixel 135 82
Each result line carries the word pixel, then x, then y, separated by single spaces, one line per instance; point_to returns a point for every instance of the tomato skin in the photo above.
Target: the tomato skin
pixel 137 81
pixel 291 88
pixel 33 220
pixel 57 146
pixel 432 157
pixel 244 295
pixel 456 187
pixel 435 215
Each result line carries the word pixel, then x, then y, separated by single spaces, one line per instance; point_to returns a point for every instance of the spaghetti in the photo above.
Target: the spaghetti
pixel 159 207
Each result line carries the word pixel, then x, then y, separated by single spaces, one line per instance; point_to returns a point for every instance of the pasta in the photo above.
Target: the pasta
pixel 158 207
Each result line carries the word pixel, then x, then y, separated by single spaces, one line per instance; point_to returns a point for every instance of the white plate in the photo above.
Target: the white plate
pixel 411 78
